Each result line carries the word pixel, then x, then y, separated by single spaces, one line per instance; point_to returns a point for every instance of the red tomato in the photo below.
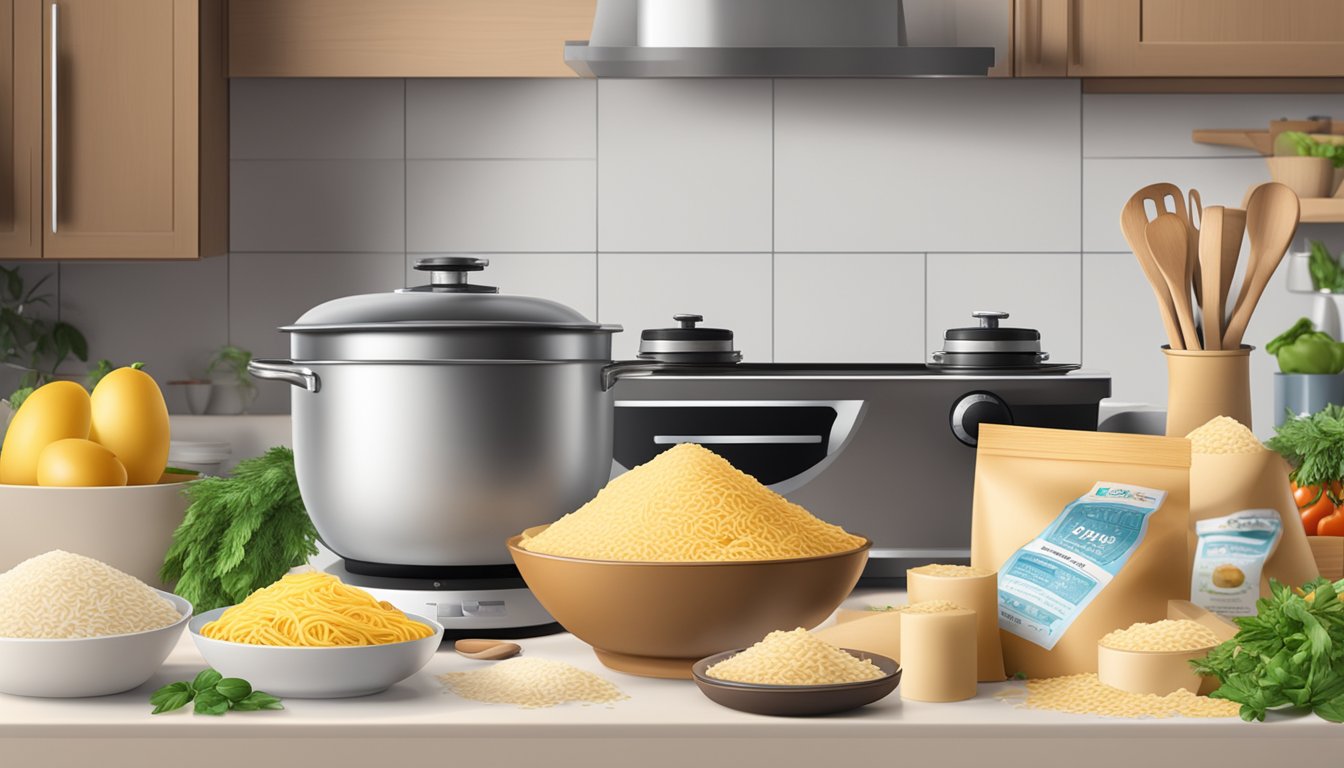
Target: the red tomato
pixel 1306 495
pixel 1312 516
pixel 1332 525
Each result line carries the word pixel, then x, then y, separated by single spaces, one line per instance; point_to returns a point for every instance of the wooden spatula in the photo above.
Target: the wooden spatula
pixel 1272 213
pixel 1195 221
pixel 1169 241
pixel 1211 275
pixel 1134 224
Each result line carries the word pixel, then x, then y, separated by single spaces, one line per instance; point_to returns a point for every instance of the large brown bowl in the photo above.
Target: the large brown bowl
pixel 658 619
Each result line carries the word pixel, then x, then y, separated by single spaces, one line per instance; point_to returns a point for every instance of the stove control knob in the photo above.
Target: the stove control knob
pixel 975 409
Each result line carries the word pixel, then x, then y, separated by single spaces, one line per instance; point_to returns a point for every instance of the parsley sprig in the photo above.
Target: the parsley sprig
pixel 214 694
pixel 1289 655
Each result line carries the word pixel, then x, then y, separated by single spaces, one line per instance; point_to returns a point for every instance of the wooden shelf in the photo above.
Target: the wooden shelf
pixel 1315 210
pixel 1262 140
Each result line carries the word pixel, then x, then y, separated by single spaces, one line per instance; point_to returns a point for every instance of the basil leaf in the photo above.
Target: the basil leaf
pixel 211 702
pixel 258 700
pixel 171 697
pixel 1332 710
pixel 206 680
pixel 233 688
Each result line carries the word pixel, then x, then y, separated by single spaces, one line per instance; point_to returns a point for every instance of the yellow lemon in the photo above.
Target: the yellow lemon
pixel 76 462
pixel 130 419
pixel 55 411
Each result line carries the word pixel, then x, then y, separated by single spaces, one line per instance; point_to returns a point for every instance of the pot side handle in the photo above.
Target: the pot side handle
pixel 286 371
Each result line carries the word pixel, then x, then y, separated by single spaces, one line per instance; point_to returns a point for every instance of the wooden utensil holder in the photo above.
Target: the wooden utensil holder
pixel 1203 384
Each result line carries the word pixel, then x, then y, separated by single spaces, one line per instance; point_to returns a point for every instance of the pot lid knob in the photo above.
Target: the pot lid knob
pixel 448 274
pixel 989 318
pixel 688 343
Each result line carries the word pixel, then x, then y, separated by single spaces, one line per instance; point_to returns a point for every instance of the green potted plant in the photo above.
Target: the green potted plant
pixel 1305 164
pixel 232 387
pixel 1310 363
pixel 31 347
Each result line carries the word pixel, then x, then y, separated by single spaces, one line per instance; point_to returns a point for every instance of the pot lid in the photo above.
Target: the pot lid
pixel 989 345
pixel 688 343
pixel 448 300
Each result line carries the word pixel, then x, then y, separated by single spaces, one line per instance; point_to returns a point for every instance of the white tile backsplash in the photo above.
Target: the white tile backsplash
pixel 354 206
pixel 569 278
pixel 172 316
pixel 1109 183
pixel 500 205
pixel 684 165
pixel 1159 125
pixel 927 165
pixel 822 220
pixel 491 119
pixel 849 307
pixel 644 290
pixel 1038 291
pixel 316 119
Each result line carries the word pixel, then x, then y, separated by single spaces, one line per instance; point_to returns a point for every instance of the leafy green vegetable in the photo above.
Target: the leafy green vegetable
pixel 1313 445
pixel 171 697
pixel 1305 146
pixel 1303 349
pixel 241 533
pixel 1326 274
pixel 1289 655
pixel 213 694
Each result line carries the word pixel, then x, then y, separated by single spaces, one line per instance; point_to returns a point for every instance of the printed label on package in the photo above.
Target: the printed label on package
pixel 1046 584
pixel 1229 558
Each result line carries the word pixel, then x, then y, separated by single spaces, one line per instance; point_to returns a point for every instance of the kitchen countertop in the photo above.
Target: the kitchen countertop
pixel 664 722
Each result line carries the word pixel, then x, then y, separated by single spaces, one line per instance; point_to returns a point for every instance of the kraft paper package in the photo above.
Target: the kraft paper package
pixel 1088 533
pixel 1223 484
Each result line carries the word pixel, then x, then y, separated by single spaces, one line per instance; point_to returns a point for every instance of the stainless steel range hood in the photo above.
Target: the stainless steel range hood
pixel 777 38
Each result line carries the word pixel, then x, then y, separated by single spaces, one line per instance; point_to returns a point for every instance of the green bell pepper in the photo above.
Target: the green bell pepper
pixel 1303 349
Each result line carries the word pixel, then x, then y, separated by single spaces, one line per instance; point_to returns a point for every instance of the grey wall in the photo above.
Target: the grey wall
pixel 823 220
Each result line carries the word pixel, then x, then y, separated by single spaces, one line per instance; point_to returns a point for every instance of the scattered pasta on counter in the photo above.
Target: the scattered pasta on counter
pixel 532 683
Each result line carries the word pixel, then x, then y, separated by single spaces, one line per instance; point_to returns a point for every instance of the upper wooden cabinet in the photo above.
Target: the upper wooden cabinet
pixel 20 129
pixel 128 108
pixel 405 38
pixel 1180 38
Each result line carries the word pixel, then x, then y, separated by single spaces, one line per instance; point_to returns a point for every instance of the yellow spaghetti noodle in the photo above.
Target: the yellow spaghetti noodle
pixel 314 610
pixel 689 505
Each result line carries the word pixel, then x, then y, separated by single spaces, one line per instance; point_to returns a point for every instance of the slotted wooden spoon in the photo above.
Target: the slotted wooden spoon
pixel 1272 213
pixel 1168 240
pixel 1134 224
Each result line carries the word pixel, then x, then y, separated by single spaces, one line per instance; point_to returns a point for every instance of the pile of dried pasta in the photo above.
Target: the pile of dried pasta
pixel 1223 434
pixel 532 683
pixel 1086 695
pixel 314 610
pixel 689 505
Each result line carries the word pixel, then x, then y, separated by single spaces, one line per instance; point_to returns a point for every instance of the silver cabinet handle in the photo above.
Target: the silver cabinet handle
pixel 55 84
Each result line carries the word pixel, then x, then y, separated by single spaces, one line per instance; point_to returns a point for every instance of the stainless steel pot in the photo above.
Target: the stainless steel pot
pixel 432 423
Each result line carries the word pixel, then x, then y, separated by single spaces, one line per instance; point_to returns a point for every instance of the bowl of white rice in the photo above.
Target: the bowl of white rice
pixel 72 626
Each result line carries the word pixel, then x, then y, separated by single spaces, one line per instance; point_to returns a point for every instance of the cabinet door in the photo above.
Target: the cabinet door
pixel 1206 38
pixel 120 132
pixel 20 126
pixel 404 38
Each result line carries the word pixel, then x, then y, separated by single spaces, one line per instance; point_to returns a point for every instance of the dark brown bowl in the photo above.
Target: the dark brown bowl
pixel 797 700
pixel 657 619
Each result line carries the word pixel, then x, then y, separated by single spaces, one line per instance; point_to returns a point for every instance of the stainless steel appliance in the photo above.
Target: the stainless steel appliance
pixel 791 38
pixel 432 423
pixel 887 451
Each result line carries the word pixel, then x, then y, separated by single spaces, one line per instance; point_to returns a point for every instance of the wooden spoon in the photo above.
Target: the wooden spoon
pixel 1134 224
pixel 1195 211
pixel 1211 275
pixel 1272 213
pixel 487 650
pixel 1234 231
pixel 1169 241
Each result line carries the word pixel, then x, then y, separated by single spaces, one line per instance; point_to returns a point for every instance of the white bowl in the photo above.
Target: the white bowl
pixel 128 527
pixel 88 666
pixel 317 673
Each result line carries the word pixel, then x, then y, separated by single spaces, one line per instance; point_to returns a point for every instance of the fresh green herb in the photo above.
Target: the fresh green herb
pixel 171 697
pixel 240 533
pixel 1313 445
pixel 1289 655
pixel 213 694
pixel 1305 146
pixel 1326 274
pixel 29 342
